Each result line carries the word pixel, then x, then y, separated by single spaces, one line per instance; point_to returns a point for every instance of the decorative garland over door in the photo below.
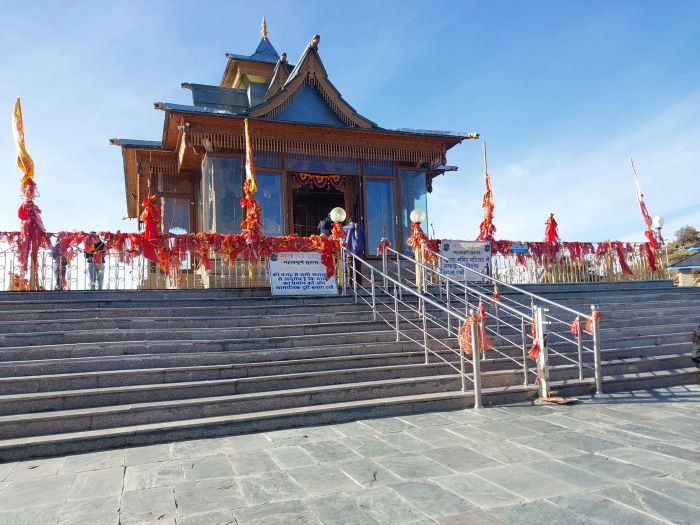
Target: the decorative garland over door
pixel 298 180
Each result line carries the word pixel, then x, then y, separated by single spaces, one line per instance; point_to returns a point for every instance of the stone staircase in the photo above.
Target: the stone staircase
pixel 89 370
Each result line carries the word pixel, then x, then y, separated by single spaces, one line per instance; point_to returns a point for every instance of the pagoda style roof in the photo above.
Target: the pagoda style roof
pixel 293 109
pixel 310 75
pixel 279 77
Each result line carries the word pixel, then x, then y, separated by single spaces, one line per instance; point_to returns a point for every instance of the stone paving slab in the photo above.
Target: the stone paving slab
pixel 624 458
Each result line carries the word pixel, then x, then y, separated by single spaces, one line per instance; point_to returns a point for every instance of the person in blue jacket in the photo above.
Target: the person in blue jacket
pixel 355 242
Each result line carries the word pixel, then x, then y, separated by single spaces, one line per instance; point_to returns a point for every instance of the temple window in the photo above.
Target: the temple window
pixel 321 164
pixel 175 213
pixel 413 195
pixel 379 212
pixel 269 196
pixel 222 190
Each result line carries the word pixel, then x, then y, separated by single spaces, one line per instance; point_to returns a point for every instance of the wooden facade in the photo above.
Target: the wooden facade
pixel 313 152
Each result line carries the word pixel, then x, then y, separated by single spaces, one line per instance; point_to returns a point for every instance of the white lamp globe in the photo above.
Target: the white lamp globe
pixel 338 214
pixel 417 216
pixel 658 222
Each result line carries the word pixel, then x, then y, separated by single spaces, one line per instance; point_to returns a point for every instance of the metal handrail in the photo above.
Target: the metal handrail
pixel 470 289
pixel 533 296
pixel 423 300
pixel 541 319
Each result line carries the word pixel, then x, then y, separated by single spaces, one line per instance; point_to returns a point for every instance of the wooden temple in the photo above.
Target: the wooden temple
pixel 313 152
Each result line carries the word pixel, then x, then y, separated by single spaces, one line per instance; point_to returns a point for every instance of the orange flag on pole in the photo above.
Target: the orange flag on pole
pixel 24 161
pixel 250 180
pixel 486 228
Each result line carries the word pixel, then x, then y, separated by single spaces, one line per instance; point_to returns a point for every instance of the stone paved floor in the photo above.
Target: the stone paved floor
pixel 630 458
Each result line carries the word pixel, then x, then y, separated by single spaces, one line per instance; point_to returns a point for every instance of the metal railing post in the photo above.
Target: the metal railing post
pixel 396 313
pixel 462 370
pixel 579 348
pixel 344 272
pixel 449 317
pixel 525 367
pixel 398 275
pixel 597 366
pixel 374 299
pixel 425 334
pixel 384 268
pixel 543 357
pixel 476 361
pixel 498 319
pixel 354 278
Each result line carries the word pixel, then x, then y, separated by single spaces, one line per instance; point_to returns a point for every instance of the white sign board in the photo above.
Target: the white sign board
pixel 475 255
pixel 300 273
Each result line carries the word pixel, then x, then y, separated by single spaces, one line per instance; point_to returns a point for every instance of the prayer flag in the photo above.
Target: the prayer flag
pixel 24 161
pixel 251 182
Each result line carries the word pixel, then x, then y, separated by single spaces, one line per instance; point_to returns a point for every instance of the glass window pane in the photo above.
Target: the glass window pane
pixel 269 196
pixel 378 167
pixel 221 194
pixel 380 212
pixel 413 195
pixel 321 164
pixel 175 215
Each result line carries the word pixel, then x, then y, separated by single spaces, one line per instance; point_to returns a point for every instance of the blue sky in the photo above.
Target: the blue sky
pixel 563 93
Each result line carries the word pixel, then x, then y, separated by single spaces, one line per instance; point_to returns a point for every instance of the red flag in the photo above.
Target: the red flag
pixel 150 216
pixel 550 233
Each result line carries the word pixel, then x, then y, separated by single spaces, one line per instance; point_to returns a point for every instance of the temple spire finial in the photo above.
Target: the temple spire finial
pixel 263 29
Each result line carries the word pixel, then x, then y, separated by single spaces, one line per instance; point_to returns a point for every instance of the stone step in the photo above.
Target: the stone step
pixel 66 443
pixel 246 382
pixel 87 351
pixel 137 300
pixel 618 367
pixel 630 381
pixel 168 310
pixel 492 372
pixel 267 360
pixel 160 323
pixel 139 413
pixel 614 320
pixel 265 331
pixel 252 333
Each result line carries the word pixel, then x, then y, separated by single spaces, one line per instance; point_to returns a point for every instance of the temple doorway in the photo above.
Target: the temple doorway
pixel 314 196
pixel 312 205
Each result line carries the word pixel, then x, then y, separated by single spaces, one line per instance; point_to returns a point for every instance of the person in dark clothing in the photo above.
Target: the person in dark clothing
pixel 355 243
pixel 95 257
pixel 325 227
pixel 695 356
pixel 60 265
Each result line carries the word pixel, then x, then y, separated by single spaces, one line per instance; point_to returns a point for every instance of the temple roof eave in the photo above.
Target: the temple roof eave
pixel 174 109
pixel 131 149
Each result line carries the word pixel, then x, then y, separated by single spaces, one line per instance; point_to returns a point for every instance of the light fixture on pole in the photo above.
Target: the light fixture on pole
pixel 338 214
pixel 658 223
pixel 417 216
